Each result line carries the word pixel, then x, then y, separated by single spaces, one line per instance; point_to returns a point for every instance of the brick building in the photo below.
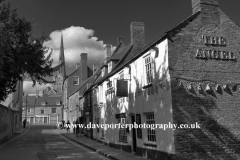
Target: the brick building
pixel 187 75
pixel 74 83
pixel 43 109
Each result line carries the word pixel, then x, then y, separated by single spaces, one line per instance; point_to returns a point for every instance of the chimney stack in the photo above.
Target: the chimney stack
pixel 137 36
pixel 210 15
pixel 84 67
pixel 108 52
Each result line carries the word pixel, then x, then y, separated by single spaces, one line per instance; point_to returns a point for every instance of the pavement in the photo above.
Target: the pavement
pixel 21 130
pixel 100 148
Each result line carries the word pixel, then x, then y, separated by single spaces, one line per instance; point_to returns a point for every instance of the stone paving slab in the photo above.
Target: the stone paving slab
pixel 107 151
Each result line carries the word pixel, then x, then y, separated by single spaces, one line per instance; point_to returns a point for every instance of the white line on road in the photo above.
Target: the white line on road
pixel 15 137
pixel 82 147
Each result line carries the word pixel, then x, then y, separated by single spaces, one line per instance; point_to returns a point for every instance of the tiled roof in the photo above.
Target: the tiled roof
pixel 117 54
pixel 125 53
pixel 50 101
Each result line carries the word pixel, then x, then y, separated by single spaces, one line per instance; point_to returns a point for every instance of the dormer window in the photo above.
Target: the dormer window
pixel 109 67
pixel 58 103
pixel 103 71
pixel 43 103
pixel 76 80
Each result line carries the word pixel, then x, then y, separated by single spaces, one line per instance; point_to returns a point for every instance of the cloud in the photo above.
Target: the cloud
pixel 27 87
pixel 76 40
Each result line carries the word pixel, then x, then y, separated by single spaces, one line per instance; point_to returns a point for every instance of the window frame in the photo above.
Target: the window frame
pixel 43 111
pixel 151 134
pixel 74 80
pixel 148 70
pixel 55 110
pixel 122 132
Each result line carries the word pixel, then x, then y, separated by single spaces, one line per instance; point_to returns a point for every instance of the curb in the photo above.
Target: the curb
pixel 91 148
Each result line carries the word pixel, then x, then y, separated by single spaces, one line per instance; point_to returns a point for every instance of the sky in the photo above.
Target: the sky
pixel 88 25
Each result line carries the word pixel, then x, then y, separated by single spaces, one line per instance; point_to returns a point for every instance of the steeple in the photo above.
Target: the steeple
pixel 62 59
pixel 60 75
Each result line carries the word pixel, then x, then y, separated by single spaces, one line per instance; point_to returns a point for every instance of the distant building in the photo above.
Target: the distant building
pixel 43 109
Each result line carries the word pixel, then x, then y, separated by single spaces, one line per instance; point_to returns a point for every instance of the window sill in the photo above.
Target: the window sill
pixel 147 86
pixel 122 141
pixel 150 144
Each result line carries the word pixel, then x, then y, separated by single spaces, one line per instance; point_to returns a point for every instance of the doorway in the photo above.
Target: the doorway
pixel 134 139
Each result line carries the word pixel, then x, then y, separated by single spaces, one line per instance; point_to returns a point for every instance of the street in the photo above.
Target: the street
pixel 42 142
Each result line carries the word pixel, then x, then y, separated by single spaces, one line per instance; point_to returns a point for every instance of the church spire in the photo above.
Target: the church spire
pixel 62 59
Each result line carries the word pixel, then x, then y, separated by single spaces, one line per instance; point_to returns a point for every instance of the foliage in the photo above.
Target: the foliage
pixel 20 53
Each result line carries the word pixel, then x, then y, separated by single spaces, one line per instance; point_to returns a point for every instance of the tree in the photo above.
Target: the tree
pixel 20 53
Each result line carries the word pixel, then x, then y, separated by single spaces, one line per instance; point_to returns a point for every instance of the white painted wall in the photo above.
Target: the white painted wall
pixel 160 102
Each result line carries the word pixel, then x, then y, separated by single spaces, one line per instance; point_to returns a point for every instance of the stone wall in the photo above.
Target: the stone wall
pixel 10 122
pixel 216 110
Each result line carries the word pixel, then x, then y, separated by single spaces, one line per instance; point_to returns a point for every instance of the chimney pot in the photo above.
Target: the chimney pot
pixel 77 65
pixel 119 40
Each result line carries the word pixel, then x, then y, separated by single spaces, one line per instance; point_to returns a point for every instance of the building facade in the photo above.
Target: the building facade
pixel 188 76
pixel 42 109
pixel 76 81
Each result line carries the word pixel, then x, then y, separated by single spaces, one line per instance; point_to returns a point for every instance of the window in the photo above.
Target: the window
pixel 122 131
pixel 54 110
pixel 29 110
pixel 42 111
pixel 58 103
pixel 151 134
pixel 75 80
pixel 121 75
pixel 109 67
pixel 103 71
pixel 148 69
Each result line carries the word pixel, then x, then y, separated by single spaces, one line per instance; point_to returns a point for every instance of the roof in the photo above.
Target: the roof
pixel 49 100
pixel 125 52
pixel 117 54
pixel 129 57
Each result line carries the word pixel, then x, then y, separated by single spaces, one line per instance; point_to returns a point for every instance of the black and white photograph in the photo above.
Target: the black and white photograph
pixel 119 79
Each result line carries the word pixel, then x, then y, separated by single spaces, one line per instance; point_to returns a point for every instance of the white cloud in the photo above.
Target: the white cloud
pixel 76 40
pixel 27 87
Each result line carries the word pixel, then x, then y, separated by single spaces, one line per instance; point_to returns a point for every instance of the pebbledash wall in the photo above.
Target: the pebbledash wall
pixel 196 73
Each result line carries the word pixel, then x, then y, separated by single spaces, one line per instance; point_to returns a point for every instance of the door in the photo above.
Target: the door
pixel 45 120
pixel 31 120
pixel 134 139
